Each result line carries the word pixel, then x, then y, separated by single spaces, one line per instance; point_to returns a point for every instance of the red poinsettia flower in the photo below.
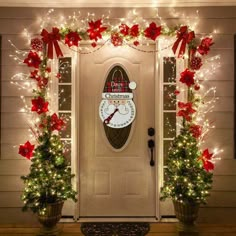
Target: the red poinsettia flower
pixel 95 29
pixel 187 77
pixel 56 123
pixel 72 39
pixel 26 150
pixel 196 130
pixel 205 45
pixel 152 31
pixel 134 31
pixel 206 160
pixel 124 29
pixel 33 60
pixel 186 110
pixel 39 105
pixel 116 40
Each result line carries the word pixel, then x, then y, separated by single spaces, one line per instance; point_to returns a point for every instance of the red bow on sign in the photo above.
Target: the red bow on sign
pixel 52 39
pixel 184 36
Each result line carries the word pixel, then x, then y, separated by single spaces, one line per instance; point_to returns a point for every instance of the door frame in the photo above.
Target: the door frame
pixel 158 152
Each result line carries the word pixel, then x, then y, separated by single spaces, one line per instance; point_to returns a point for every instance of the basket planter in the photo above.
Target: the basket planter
pixel 187 214
pixel 50 219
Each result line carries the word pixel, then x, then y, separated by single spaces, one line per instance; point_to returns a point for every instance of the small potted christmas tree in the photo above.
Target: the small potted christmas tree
pixel 48 183
pixel 188 176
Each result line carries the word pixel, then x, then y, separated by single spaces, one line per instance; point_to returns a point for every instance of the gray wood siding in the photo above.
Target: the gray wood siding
pixel 222 203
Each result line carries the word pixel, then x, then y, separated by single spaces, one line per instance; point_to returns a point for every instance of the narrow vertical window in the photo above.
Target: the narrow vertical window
pixel 169 103
pixel 65 101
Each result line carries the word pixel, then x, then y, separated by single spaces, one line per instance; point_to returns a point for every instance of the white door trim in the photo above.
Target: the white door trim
pixel 159 130
pixel 75 131
pixel 73 208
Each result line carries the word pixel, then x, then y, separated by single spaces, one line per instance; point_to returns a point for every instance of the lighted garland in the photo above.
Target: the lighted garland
pixel 50 177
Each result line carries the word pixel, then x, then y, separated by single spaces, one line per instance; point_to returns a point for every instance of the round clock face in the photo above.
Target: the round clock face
pixel 117 113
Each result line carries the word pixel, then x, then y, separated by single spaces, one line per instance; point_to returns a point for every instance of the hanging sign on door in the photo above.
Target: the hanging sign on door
pixel 117 109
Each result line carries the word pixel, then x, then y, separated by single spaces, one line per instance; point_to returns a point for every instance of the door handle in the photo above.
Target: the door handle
pixel 151 145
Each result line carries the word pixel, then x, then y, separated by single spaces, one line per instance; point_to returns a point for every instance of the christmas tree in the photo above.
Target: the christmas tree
pixel 186 179
pixel 49 179
pixel 188 176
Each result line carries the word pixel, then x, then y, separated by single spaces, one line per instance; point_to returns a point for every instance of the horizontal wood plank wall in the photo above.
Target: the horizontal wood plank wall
pixel 222 20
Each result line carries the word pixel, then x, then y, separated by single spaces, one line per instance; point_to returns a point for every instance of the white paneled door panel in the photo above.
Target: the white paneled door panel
pixel 115 183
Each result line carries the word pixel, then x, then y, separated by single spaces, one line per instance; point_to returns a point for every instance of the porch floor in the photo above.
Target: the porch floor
pixel 157 229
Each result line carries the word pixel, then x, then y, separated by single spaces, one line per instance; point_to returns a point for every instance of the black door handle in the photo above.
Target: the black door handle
pixel 151 145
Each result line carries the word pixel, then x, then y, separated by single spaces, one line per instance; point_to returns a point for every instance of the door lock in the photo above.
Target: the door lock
pixel 151 132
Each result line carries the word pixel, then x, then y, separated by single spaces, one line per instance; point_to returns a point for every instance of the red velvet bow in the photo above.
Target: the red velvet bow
pixel 185 37
pixel 52 39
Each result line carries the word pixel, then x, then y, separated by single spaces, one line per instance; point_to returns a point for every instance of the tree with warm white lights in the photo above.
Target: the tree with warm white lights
pixel 188 176
pixel 49 180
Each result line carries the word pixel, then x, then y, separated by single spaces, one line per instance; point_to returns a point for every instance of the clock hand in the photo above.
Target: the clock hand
pixel 107 120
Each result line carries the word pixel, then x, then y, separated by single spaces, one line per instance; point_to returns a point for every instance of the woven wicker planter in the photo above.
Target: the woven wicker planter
pixel 50 219
pixel 187 215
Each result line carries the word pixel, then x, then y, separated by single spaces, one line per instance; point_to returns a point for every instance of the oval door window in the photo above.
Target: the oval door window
pixel 117 109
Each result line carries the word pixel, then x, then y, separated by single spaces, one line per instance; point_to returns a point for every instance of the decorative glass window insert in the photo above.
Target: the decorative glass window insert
pixel 65 101
pixel 169 103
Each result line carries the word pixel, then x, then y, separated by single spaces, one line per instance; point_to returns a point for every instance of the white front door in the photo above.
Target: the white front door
pixel 116 182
